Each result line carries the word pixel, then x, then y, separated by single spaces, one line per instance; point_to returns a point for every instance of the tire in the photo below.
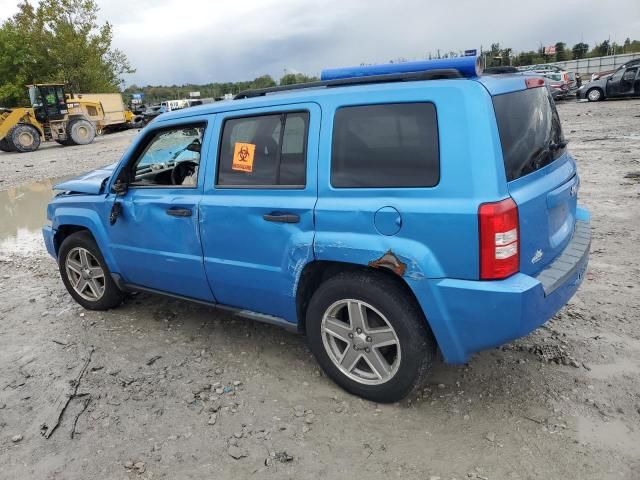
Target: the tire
pixel 24 138
pixel 383 301
pixel 5 146
pixel 595 95
pixel 80 132
pixel 94 272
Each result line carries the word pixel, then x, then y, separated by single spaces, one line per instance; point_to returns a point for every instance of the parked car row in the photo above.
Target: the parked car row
pixel 562 83
pixel 150 112
pixel 559 83
pixel 619 83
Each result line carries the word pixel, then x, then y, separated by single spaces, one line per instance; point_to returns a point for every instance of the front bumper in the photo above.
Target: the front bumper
pixel 467 316
pixel 47 235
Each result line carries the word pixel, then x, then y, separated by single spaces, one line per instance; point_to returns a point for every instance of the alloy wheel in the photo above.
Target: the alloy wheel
pixel 361 342
pixel 85 274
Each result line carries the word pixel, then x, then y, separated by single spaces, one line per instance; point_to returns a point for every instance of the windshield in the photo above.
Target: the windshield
pixel 170 147
pixel 34 96
pixel 530 131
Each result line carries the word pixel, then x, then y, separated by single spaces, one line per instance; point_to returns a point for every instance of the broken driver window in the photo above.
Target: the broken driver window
pixel 172 157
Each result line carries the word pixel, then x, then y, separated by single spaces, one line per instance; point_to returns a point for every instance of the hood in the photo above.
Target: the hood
pixel 91 183
pixel 600 82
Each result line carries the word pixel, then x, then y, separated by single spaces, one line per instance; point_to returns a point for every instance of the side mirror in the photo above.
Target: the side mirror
pixel 195 146
pixel 120 188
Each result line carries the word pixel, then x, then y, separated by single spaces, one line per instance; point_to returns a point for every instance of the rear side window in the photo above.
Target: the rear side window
pixel 385 146
pixel 264 151
pixel 530 131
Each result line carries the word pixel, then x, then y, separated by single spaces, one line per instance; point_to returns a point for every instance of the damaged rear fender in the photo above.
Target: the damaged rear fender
pixel 406 258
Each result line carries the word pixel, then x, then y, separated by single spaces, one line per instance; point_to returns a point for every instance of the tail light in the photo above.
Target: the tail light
pixel 565 77
pixel 499 239
pixel 533 82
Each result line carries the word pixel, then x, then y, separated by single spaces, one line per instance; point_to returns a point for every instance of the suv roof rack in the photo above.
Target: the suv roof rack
pixel 437 74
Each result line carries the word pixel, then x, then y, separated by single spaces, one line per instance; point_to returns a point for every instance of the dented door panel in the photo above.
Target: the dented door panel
pixel 257 240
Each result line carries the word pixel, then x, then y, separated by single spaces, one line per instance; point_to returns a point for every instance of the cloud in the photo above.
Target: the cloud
pixel 199 41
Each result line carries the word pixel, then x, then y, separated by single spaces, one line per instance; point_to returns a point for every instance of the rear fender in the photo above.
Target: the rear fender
pixel 407 258
pixel 413 262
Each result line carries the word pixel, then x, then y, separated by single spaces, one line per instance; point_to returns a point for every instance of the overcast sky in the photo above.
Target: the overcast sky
pixel 200 41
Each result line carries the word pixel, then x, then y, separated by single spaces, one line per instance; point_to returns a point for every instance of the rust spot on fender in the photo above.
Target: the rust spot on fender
pixel 390 262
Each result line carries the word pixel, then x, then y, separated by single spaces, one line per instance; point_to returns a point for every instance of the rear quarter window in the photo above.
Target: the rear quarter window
pixel 385 146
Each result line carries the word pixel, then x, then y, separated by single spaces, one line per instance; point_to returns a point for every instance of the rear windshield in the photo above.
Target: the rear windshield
pixel 530 131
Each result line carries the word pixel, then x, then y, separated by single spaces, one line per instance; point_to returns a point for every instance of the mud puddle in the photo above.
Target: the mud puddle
pixel 24 212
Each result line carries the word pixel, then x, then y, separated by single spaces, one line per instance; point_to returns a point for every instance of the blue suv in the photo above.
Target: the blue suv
pixel 387 212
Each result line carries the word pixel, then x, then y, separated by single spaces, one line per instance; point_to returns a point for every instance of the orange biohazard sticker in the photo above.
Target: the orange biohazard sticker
pixel 243 154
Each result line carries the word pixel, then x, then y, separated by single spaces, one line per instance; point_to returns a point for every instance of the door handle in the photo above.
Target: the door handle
pixel 179 212
pixel 281 217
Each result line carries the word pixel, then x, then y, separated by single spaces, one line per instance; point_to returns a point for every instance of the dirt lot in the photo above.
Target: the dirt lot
pixel 177 390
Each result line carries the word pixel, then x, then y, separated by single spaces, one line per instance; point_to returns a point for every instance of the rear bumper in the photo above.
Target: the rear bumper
pixel 467 316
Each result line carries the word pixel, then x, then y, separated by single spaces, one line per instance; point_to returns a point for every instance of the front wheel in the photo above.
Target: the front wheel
pixel 595 95
pixel 85 273
pixel 370 336
pixel 24 138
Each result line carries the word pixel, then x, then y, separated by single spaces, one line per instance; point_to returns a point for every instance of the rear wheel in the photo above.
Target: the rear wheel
pixel 369 336
pixel 24 138
pixel 595 95
pixel 85 273
pixel 80 132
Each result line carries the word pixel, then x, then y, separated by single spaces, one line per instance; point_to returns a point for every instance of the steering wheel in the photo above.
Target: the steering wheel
pixel 182 170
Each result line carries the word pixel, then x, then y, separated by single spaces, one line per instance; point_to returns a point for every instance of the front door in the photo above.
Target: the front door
pixel 621 83
pixel 256 214
pixel 628 80
pixel 155 239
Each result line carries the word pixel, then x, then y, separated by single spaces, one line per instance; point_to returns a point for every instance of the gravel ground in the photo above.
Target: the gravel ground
pixel 172 390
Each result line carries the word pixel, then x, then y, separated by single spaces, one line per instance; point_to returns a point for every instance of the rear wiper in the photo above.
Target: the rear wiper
pixel 543 156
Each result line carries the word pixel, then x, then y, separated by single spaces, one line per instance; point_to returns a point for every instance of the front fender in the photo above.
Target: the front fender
pixel 89 219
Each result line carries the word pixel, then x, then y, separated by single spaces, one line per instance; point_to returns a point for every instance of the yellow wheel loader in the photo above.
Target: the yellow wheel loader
pixel 54 115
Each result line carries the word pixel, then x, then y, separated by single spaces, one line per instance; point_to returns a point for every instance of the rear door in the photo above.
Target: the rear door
pixel 257 212
pixel 541 174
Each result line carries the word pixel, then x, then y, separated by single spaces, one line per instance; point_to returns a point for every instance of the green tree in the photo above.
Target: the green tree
pixel 506 56
pixel 601 49
pixel 292 78
pixel 561 52
pixel 58 41
pixel 265 81
pixel 580 50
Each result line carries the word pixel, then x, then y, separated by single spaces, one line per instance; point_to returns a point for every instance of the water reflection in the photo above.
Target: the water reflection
pixel 23 211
